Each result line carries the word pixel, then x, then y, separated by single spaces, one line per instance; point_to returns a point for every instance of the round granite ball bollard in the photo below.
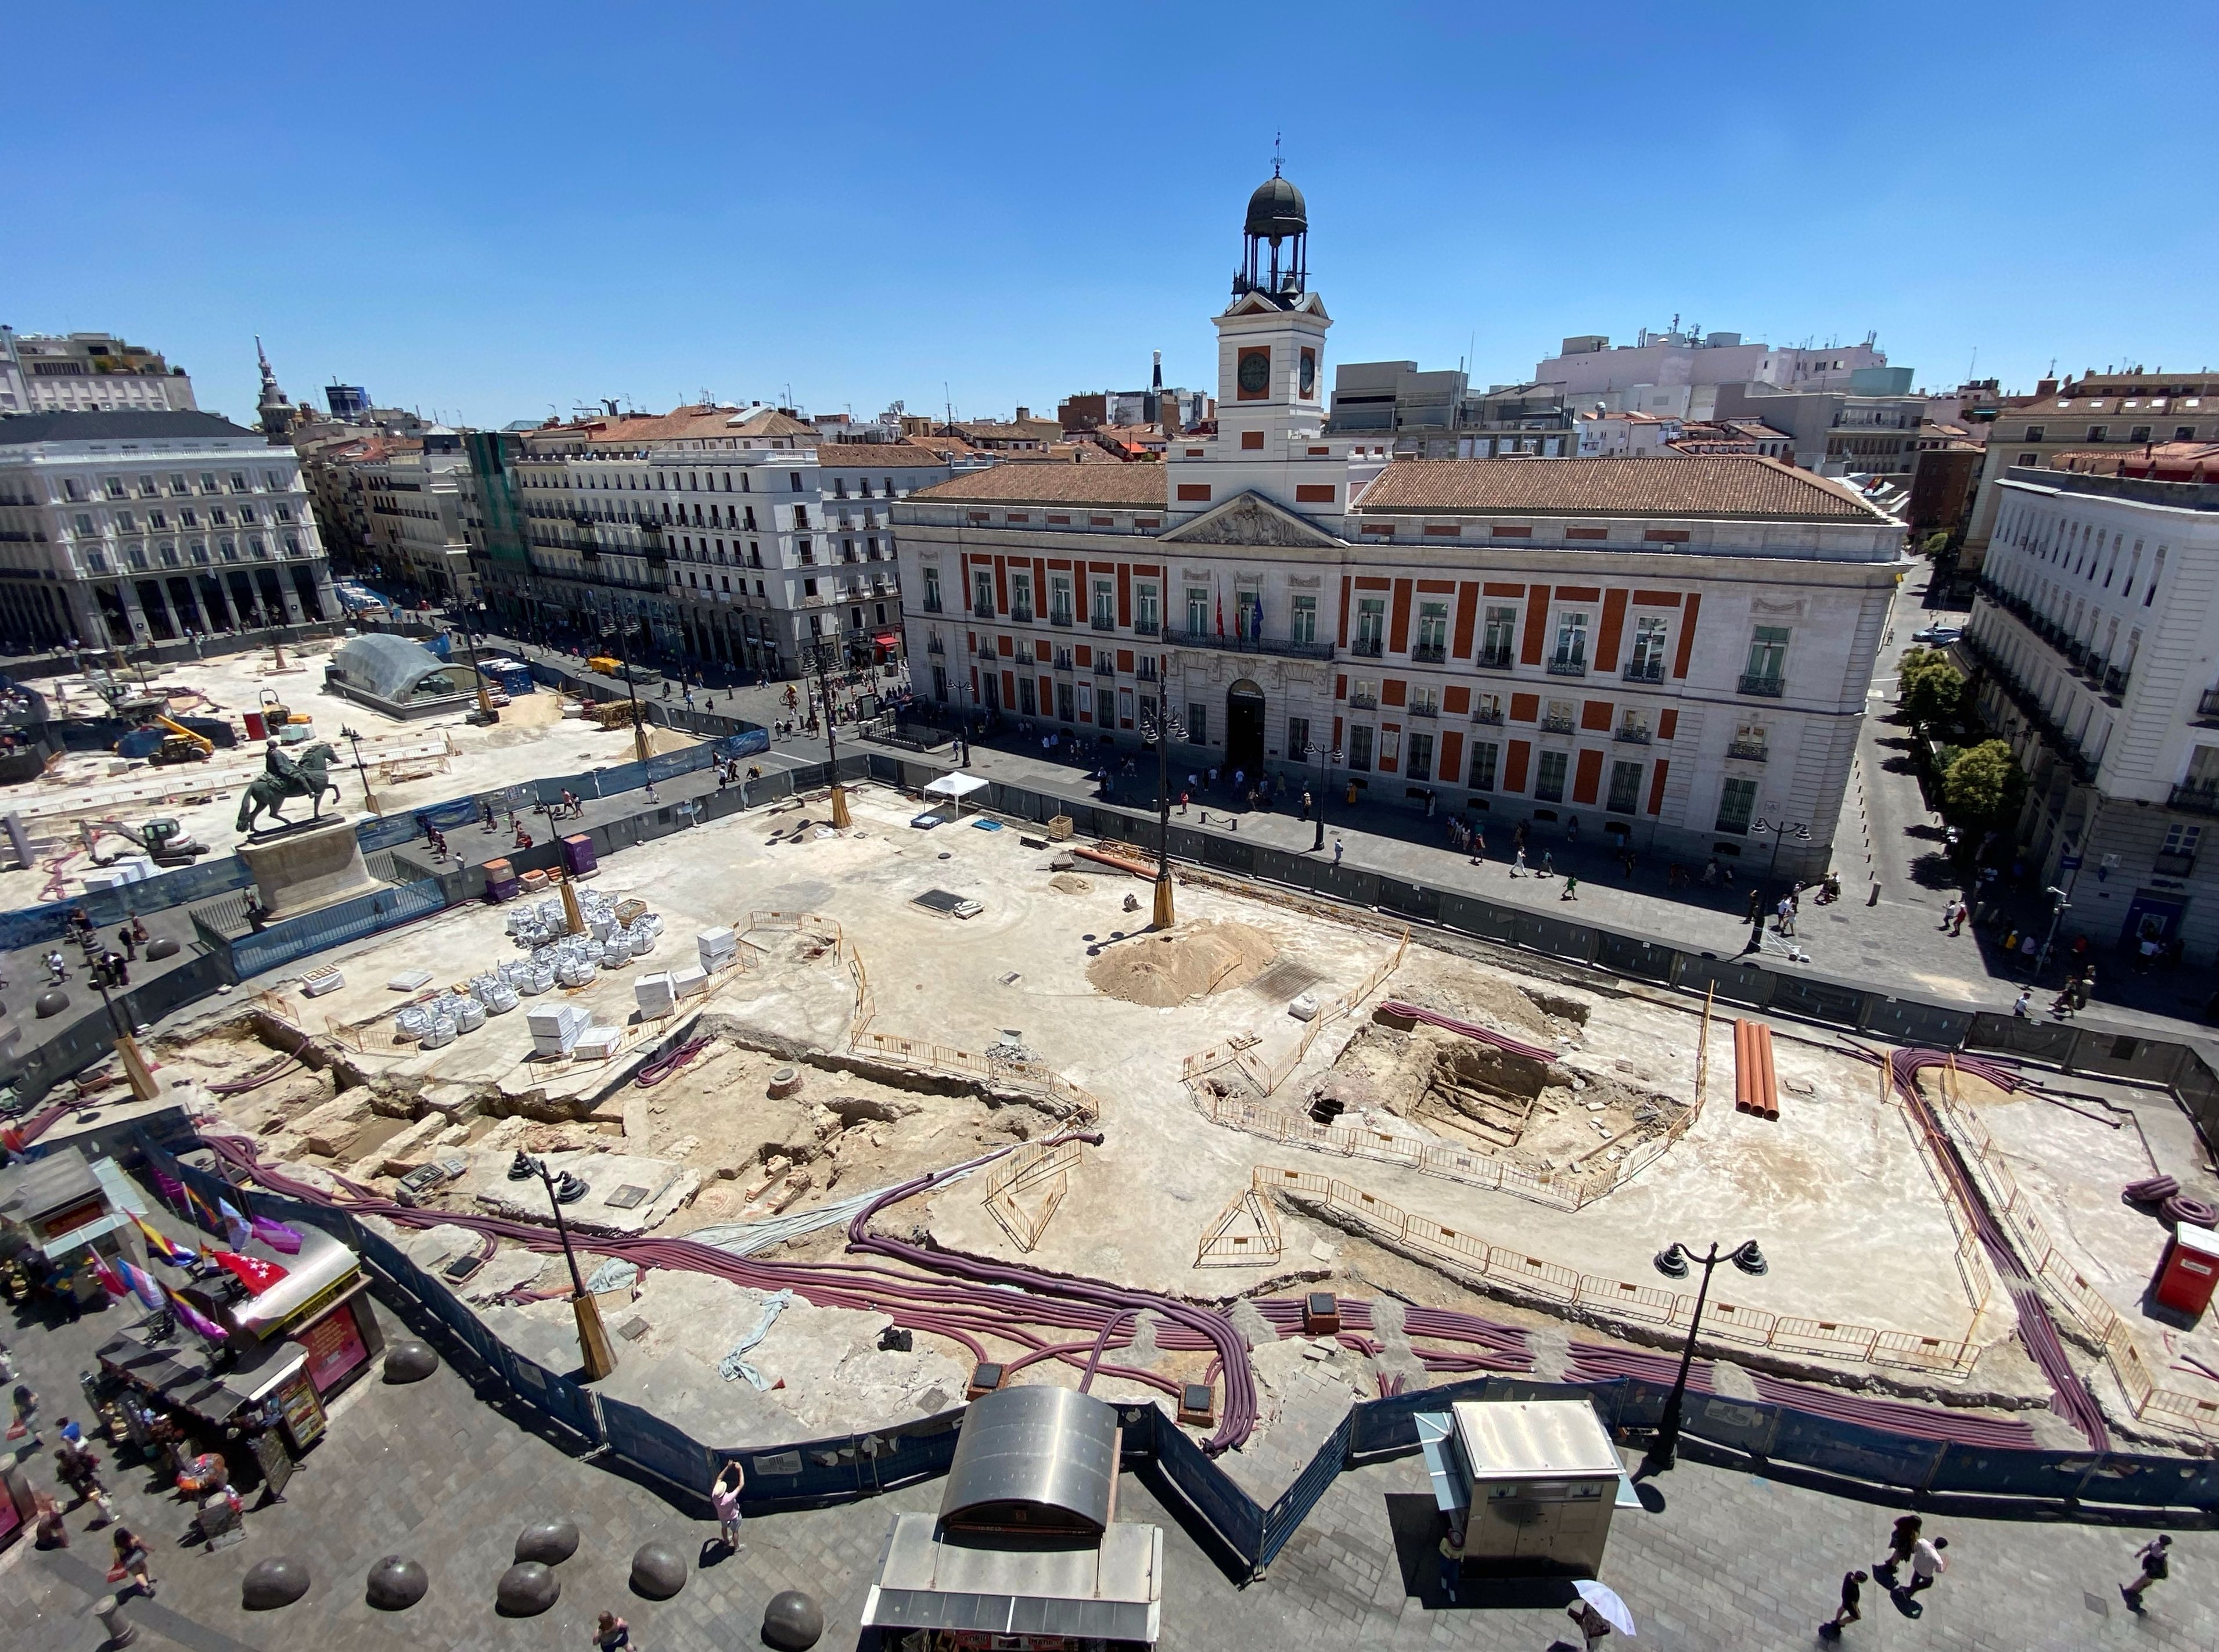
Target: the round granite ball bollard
pixel 551 1541
pixel 52 1002
pixel 162 946
pixel 658 1571
pixel 526 1589
pixel 269 1584
pixel 792 1621
pixel 396 1583
pixel 409 1361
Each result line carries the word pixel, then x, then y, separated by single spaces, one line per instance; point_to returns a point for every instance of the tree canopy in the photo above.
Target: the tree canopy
pixel 1984 785
pixel 1933 688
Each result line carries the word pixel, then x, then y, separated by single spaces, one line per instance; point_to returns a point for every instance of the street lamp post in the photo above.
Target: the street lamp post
pixel 1672 1262
pixel 822 652
pixel 1324 756
pixel 631 692
pixel 598 1358
pixel 485 715
pixel 354 739
pixel 1778 828
pixel 135 1070
pixel 1163 729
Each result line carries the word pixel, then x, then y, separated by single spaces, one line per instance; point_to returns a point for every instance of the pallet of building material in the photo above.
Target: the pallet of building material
pixel 1757 1088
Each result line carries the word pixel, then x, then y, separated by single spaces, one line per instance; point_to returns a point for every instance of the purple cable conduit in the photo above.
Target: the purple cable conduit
pixel 1470 1029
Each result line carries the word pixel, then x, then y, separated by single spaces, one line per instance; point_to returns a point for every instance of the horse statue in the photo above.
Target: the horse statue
pixel 284 777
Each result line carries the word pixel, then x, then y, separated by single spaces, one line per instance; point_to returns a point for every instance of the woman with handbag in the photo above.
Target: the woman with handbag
pixel 131 1562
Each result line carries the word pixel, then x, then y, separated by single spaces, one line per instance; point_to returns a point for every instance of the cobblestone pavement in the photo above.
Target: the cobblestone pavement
pixel 428 1471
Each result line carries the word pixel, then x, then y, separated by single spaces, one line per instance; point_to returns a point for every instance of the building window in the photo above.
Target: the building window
pixel 1483 755
pixel 1105 614
pixel 1145 615
pixel 1768 659
pixel 1359 746
pixel 2033 434
pixel 1301 619
pixel 1432 631
pixel 982 594
pixel 1370 625
pixel 1624 788
pixel 931 590
pixel 2181 839
pixel 1198 723
pixel 1298 738
pixel 1390 748
pixel 1737 802
pixel 1500 636
pixel 1549 778
pixel 1647 664
pixel 1571 655
pixel 1420 766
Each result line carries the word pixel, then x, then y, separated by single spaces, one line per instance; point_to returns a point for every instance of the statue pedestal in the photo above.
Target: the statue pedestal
pixel 304 870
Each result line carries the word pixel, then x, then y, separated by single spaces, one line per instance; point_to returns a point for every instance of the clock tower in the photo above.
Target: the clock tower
pixel 1271 377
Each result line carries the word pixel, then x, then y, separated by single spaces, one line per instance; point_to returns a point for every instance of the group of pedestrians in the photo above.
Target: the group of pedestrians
pixel 1926 1559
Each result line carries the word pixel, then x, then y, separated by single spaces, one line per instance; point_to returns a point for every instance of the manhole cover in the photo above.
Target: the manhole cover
pixel 938 900
pixel 626 1197
pixel 1289 978
pixel 633 1329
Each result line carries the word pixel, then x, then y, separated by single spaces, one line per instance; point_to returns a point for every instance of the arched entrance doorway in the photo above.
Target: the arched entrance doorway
pixel 1244 727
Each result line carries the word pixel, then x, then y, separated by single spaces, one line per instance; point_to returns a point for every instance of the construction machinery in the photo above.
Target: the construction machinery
pixel 284 724
pixel 180 744
pixel 164 841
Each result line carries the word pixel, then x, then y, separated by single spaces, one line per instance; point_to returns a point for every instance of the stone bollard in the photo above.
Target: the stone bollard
pixel 109 1609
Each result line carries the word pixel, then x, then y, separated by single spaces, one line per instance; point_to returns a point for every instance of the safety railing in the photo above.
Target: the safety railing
pixel 1554 1283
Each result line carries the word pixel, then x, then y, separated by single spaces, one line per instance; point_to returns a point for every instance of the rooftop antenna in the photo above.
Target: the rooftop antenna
pixel 949 400
pixel 1972 371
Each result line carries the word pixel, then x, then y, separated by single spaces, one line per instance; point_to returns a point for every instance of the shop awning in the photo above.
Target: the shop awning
pixel 180 1374
pixel 887 641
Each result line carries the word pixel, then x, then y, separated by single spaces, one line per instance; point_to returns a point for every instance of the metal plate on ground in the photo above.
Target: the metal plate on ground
pixel 938 900
pixel 625 1197
pixel 1288 978
pixel 633 1329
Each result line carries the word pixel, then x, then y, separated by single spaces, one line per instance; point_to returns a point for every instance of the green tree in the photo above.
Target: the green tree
pixel 1933 688
pixel 1984 785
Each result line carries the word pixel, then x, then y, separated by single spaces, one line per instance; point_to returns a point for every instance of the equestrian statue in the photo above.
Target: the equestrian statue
pixel 284 777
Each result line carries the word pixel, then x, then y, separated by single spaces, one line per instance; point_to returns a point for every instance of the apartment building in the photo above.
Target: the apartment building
pixel 1438 415
pixel 118 528
pixel 413 498
pixel 2105 411
pixel 87 372
pixel 1674 654
pixel 2092 638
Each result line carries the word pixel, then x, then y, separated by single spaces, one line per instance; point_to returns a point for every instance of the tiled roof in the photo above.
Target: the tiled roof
pixel 1697 487
pixel 115 427
pixel 1114 485
pixel 876 456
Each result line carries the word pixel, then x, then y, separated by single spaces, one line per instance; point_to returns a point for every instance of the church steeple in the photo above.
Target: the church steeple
pixel 1274 240
pixel 276 412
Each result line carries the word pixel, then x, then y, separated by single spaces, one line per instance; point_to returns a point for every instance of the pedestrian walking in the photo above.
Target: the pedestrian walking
pixel 1755 908
pixel 1853 1589
pixel 1949 913
pixel 1786 911
pixel 612 1633
pixel 2025 996
pixel 1899 1542
pixel 1306 803
pixel 1591 1624
pixel 131 1562
pixel 1518 864
pixel 1571 887
pixel 129 942
pixel 724 1499
pixel 1451 1560
pixel 2084 987
pixel 26 1414
pixel 1548 864
pixel 1927 1563
pixel 2155 1559
pixel 1963 912
pixel 1338 848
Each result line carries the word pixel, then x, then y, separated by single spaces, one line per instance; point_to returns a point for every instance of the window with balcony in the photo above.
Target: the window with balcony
pixel 1103 615
pixel 1425 702
pixel 1370 627
pixel 1570 657
pixel 1020 597
pixel 1484 755
pixel 1197 610
pixel 2176 856
pixel 1432 643
pixel 1301 619
pixel 931 590
pixel 1737 802
pixel 1766 672
pixel 1487 708
pixel 1359 746
pixel 1646 664
pixel 1248 614
pixel 1549 777
pixel 1499 638
pixel 1558 717
pixel 1632 727
pixel 1147 614
pixel 1749 742
pixel 1363 693
pixel 982 595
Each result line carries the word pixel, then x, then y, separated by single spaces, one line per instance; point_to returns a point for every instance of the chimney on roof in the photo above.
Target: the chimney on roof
pixel 1023 414
pixel 1157 382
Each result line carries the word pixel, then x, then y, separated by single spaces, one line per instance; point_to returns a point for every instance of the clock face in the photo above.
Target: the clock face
pixel 1255 376
pixel 1309 374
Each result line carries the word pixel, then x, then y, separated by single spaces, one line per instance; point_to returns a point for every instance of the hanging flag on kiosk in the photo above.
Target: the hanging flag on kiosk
pixel 176 1255
pixel 143 1285
pixel 201 1324
pixel 250 1271
pixel 275 1235
pixel 235 1226
pixel 171 1190
pixel 111 1279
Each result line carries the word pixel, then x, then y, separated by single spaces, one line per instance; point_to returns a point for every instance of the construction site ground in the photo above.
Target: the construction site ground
pixel 409 763
pixel 1838 1189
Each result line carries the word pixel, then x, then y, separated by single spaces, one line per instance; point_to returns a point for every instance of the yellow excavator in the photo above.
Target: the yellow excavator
pixel 180 744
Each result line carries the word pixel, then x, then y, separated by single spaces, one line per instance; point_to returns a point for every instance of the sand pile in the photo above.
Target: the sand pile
pixel 1069 882
pixel 1164 970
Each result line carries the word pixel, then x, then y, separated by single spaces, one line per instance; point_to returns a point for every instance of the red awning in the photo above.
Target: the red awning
pixel 887 641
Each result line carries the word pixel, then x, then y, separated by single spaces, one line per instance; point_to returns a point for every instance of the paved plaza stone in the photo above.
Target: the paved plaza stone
pixel 431 1472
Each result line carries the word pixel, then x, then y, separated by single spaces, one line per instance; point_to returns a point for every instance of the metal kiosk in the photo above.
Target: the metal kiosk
pixel 1532 1483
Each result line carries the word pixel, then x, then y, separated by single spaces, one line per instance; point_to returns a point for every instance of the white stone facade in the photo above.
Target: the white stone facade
pixel 87 372
pixel 2095 631
pixel 136 527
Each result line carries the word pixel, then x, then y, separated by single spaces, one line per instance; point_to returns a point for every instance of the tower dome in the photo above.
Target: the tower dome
pixel 1276 210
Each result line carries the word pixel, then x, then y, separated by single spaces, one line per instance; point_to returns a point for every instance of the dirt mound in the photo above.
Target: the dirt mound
pixel 1069 882
pixel 1533 1014
pixel 1163 970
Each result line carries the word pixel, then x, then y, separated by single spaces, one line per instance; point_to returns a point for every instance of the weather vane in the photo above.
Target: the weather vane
pixel 1275 153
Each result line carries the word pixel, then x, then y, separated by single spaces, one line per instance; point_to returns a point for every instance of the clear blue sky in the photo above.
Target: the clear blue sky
pixel 492 208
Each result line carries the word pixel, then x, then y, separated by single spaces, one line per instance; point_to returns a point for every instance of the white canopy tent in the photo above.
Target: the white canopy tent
pixel 955 788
